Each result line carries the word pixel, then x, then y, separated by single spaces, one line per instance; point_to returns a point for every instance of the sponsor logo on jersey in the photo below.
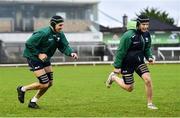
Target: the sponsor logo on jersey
pixel 146 39
pixel 50 39
pixel 136 42
pixel 58 38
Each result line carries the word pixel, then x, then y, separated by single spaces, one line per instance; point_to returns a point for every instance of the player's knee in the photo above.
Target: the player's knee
pixel 148 83
pixel 146 76
pixel 130 88
pixel 50 84
pixel 147 80
pixel 43 86
pixel 128 79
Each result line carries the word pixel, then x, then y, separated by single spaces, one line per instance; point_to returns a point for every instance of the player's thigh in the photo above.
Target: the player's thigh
pixel 127 75
pixel 142 69
pixel 42 77
pixel 39 72
pixel 37 67
pixel 48 69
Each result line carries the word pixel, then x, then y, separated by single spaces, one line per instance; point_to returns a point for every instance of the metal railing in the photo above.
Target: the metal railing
pixel 85 52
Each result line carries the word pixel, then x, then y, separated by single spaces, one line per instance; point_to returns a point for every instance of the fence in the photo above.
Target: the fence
pixel 169 49
pixel 89 52
pixel 12 53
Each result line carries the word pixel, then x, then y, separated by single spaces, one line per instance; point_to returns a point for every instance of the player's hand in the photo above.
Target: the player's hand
pixel 151 61
pixel 117 70
pixel 42 56
pixel 74 56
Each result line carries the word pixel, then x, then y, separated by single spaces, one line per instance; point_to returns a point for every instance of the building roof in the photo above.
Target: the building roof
pixel 109 29
pixel 156 25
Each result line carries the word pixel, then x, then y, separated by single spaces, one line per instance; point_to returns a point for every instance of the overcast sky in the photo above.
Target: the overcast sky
pixel 117 8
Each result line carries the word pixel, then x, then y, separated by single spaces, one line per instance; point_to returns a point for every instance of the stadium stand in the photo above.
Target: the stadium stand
pixel 6 25
pixel 19 18
pixel 69 25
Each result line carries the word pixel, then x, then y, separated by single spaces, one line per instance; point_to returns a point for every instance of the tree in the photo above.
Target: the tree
pixel 157 14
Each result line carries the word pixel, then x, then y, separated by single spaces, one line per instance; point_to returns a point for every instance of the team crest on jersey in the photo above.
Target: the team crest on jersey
pixel 146 39
pixel 58 38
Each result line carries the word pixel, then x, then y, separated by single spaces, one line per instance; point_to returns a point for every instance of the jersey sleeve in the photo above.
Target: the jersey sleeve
pixel 124 45
pixel 148 50
pixel 64 45
pixel 33 42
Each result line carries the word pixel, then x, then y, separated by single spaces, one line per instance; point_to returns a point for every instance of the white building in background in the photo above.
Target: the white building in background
pixel 21 17
pixel 23 12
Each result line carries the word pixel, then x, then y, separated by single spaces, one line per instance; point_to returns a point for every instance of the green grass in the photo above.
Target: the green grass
pixel 80 92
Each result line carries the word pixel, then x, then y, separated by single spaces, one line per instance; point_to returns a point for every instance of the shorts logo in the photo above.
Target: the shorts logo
pixel 37 67
pixel 124 71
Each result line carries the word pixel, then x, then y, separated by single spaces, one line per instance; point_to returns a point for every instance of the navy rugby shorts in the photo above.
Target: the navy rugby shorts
pixel 37 65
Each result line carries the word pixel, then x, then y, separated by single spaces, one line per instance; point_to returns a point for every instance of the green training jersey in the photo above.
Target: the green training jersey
pixel 46 41
pixel 133 47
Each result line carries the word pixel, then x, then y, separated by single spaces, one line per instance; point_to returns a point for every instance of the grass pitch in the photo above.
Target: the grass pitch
pixel 80 92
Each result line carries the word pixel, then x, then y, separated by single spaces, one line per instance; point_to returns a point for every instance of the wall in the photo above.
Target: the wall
pixel 72 37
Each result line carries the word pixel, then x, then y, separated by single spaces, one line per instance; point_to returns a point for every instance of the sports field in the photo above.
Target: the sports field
pixel 80 92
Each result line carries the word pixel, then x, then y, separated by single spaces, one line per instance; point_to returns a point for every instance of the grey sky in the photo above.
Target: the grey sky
pixel 117 8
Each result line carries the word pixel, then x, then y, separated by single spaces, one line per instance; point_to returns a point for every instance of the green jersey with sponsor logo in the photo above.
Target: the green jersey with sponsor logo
pixel 133 47
pixel 46 41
